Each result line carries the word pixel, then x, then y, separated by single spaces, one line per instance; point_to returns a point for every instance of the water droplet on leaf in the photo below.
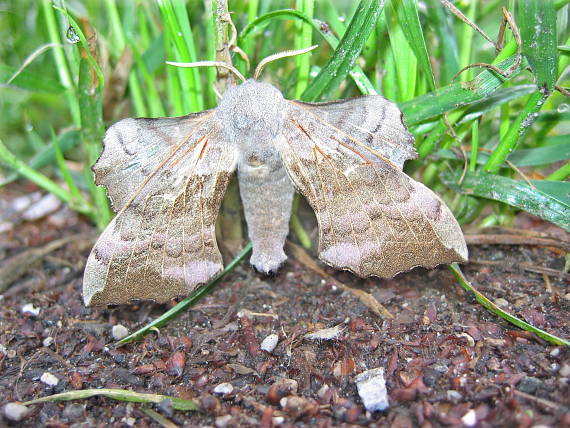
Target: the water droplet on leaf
pixel 71 35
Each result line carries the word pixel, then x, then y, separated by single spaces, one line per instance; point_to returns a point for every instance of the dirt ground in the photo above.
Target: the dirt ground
pixel 447 360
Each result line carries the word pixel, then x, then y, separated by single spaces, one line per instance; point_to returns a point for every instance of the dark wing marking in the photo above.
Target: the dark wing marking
pixel 133 149
pixel 162 243
pixel 373 219
pixel 370 120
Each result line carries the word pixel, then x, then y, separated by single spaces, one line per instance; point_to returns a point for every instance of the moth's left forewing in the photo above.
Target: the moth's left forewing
pixel 373 219
pixel 161 244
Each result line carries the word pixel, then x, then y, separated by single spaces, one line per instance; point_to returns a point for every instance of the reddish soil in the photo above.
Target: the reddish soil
pixel 445 357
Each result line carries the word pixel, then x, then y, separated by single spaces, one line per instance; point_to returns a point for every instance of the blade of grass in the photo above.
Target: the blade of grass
pixel 303 39
pixel 455 95
pixel 405 61
pixel 187 302
pixel 538 32
pixel 347 51
pixel 60 62
pixel 257 25
pixel 46 155
pixel 561 173
pixel 180 34
pixel 486 303
pixel 120 395
pixel 8 159
pixel 65 173
pixel 409 21
pixel 447 40
pixel 537 22
pixel 515 193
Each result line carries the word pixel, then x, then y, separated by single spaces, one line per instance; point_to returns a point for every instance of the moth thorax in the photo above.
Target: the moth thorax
pixel 252 112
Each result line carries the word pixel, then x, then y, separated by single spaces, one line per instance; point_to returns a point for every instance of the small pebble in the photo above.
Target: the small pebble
pixel 119 332
pixel 469 419
pixel 49 379
pixel 223 421
pixel 15 412
pixel 30 309
pixel 269 343
pixel 47 341
pixel 555 352
pixel 330 333
pixel 278 420
pixel 453 395
pixel 501 302
pixel 372 389
pixel 564 370
pixel 224 388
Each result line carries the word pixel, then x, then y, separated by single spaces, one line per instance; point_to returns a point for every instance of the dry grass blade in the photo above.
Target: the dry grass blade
pixel 17 266
pixel 365 298
pixel 511 239
pixel 463 18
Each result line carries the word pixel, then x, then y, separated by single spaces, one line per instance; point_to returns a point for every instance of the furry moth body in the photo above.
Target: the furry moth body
pixel 166 178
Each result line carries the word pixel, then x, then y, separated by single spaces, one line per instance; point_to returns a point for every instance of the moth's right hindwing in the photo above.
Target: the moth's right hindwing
pixel 167 178
pixel 373 219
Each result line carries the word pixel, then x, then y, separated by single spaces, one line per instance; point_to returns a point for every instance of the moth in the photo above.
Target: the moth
pixel 166 179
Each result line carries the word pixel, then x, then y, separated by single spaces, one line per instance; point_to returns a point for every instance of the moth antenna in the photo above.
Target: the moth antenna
pixel 208 64
pixel 279 55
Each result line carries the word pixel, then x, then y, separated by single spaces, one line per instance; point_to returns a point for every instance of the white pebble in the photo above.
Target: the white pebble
pixel 270 342
pixel 47 341
pixel 49 379
pixel 470 418
pixel 29 308
pixel 223 388
pixel 15 412
pixel 501 302
pixel 119 332
pixel 278 420
pixel 372 389
pixel 453 395
pixel 223 421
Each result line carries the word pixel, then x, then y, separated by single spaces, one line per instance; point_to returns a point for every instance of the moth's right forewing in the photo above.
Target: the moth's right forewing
pixel 373 219
pixel 162 243
pixel 134 148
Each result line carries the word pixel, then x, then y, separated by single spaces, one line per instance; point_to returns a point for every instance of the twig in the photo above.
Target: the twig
pixel 511 239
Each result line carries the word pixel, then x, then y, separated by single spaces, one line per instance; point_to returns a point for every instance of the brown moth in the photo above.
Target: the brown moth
pixel 166 178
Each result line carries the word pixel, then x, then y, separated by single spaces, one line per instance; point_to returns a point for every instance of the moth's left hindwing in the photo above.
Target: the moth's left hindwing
pixel 373 219
pixel 166 178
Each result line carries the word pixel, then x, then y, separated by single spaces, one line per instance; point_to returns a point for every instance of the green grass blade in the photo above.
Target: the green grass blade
pixel 120 395
pixel 46 155
pixel 447 40
pixel 516 131
pixel 405 62
pixel 560 174
pixel 303 39
pixel 485 302
pixel 498 98
pixel 30 81
pixel 346 53
pixel 256 27
pixel 180 34
pixel 455 95
pixel 60 62
pixel 407 13
pixel 537 22
pixel 187 302
pixel 65 172
pixel 7 158
pixel 541 155
pixel 540 201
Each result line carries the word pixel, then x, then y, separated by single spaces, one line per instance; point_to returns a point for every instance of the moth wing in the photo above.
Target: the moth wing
pixel 373 219
pixel 167 178
pixel 371 120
